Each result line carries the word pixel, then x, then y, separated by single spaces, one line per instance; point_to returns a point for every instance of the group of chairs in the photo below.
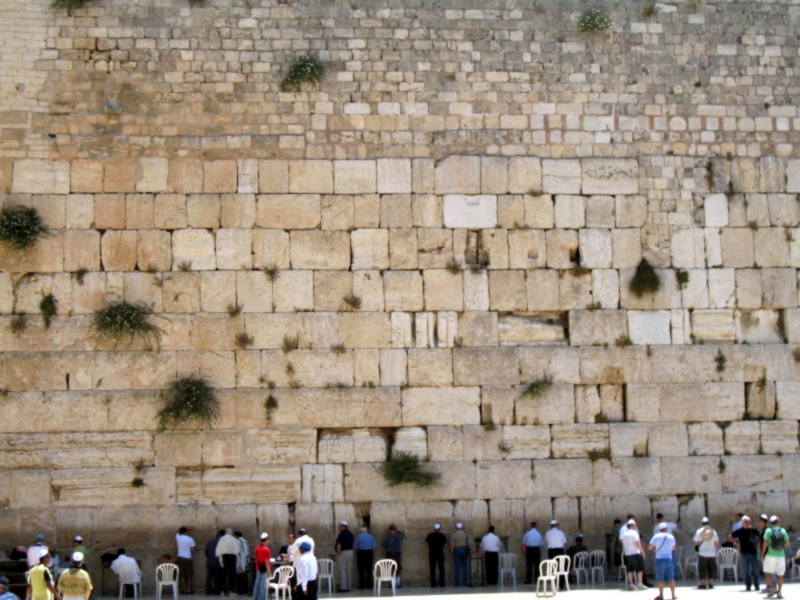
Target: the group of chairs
pixel 385 571
pixel 587 564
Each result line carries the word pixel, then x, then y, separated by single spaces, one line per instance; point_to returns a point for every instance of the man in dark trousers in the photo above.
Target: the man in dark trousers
pixel 213 580
pixel 532 543
pixel 436 541
pixel 364 544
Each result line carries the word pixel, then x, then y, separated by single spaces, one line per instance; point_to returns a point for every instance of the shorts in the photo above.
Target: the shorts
pixel 665 569
pixel 634 562
pixel 707 567
pixel 185 568
pixel 775 564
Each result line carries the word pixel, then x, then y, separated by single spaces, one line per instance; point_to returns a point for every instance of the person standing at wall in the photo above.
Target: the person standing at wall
pixel 242 563
pixel 5 594
pixel 773 555
pixel 227 551
pixel 186 548
pixel 633 552
pixel 344 556
pixel 263 557
pixel 393 544
pixel 706 542
pixel 459 550
pixel 364 544
pixel 435 542
pixel 532 543
pixel 491 547
pixel 213 570
pixel 306 573
pixel 663 543
pixel 746 540
pixel 556 543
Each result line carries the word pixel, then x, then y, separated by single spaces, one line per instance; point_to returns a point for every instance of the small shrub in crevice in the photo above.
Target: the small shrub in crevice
pixel 722 466
pixel 352 301
pixel 338 349
pixel 271 271
pixel 796 355
pixel 137 482
pixel 80 274
pixel 243 340
pixel 270 405
pixel 304 70
pixel 682 278
pixel 21 227
pixel 595 455
pixel 536 388
pixel 454 266
pixel 234 310
pixel 289 344
pixel 720 359
pixel 118 320
pixel 402 467
pixel 49 308
pixel 601 417
pixel 646 280
pixel 623 341
pixel 650 10
pixel 185 266
pixel 19 323
pixel 189 399
pixel 594 20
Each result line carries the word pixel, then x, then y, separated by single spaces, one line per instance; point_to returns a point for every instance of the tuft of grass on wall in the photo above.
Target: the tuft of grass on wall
pixel 21 227
pixel 305 69
pixel 646 280
pixel 595 20
pixel 70 5
pixel 187 400
pixel 118 320
pixel 536 388
pixel 49 308
pixel 402 467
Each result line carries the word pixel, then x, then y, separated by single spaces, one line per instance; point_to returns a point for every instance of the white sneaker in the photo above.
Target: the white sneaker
pixel 631 587
pixel 640 586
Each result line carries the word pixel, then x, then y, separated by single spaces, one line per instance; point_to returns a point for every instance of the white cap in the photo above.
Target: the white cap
pixel 343 523
pixel 78 538
pixel 745 518
pixel 705 520
pixel 437 526
pixel 77 557
pixel 264 536
pixel 459 525
pixel 662 526
pixel 631 522
pixel 553 522
pixel 43 551
pixel 773 519
pixel 764 518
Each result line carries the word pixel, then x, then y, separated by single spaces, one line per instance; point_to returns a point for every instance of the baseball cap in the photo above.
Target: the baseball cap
pixel 77 557
pixel 3 580
pixel 459 525
pixel 437 526
pixel 40 536
pixel 773 519
pixel 343 523
pixel 78 538
pixel 264 536
pixel 662 526
pixel 305 546
pixel 553 522
pixel 705 520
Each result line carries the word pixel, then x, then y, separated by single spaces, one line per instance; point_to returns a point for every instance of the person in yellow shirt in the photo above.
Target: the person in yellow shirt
pixel 75 583
pixel 40 580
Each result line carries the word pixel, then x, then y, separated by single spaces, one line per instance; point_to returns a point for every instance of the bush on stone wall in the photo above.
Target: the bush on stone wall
pixel 68 4
pixel 305 69
pixel 402 467
pixel 595 20
pixel 646 280
pixel 189 400
pixel 118 320
pixel 21 227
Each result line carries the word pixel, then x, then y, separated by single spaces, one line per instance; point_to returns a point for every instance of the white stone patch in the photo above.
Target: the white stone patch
pixel 716 209
pixel 793 176
pixel 561 176
pixel 649 327
pixel 713 326
pixel 470 212
pixel 41 177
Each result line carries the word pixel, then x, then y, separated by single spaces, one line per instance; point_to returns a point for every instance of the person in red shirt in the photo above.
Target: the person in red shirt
pixel 263 558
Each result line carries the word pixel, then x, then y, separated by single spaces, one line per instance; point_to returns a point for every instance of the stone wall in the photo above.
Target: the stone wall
pixel 485 180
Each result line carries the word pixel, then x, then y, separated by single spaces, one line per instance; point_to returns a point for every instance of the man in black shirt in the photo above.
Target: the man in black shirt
pixel 344 556
pixel 578 546
pixel 747 539
pixel 436 541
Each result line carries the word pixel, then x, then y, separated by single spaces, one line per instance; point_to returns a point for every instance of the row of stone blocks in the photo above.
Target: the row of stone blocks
pixel 452 175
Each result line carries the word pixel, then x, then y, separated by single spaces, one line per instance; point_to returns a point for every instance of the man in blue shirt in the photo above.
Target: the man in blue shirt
pixel 363 545
pixel 532 543
pixel 4 593
pixel 664 545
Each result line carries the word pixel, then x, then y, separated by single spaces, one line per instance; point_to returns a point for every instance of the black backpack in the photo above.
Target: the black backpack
pixel 778 539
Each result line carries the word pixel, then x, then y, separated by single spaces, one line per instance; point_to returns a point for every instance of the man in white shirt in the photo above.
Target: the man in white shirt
pixel 33 551
pixel 306 573
pixel 186 547
pixel 671 527
pixel 294 551
pixel 634 556
pixel 531 548
pixel 491 547
pixel 125 565
pixel 706 542
pixel 556 546
pixel 227 553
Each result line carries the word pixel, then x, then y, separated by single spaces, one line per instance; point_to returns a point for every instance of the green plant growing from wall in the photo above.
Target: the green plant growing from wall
pixel 68 4
pixel 402 467
pixel 646 280
pixel 454 266
pixel 595 455
pixel 49 308
pixel 137 482
pixel 651 10
pixel 118 320
pixel 304 70
pixel 594 20
pixel 289 344
pixel 538 387
pixel 186 400
pixel 80 274
pixel 683 278
pixel 720 359
pixel 352 301
pixel 270 405
pixel 21 227
pixel 623 341
pixel 272 271
pixel 18 324
pixel 722 466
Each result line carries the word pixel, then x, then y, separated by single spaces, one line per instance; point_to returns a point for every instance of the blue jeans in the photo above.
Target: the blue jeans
pixel 461 565
pixel 751 563
pixel 665 569
pixel 260 586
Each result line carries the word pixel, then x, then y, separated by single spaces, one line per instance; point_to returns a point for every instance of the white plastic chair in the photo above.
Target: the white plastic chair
pixel 281 582
pixel 728 559
pixel 581 560
pixel 167 575
pixel 508 566
pixel 563 568
pixel 690 562
pixel 597 564
pixel 547 574
pixel 622 573
pixel 129 574
pixel 385 570
pixel 678 562
pixel 325 572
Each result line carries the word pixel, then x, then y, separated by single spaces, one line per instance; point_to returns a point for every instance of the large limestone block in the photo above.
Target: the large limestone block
pixel 363 483
pixel 716 210
pixel 395 210
pixel 365 329
pixel 691 474
pixel 742 437
pixel 705 439
pixel 435 247
pixel 281 446
pixel 783 210
pixel 555 406
pixel 578 440
pixel 507 517
pixel 403 248
pixel 234 249
pixel 539 211
pixel 494 175
pixel 779 288
pixel 688 248
pixel 610 175
pixel 358 445
pixel 195 247
pixel 482 442
pixel 470 212
pixel 341 408
pixel 150 174
pixel 497 404
pixel 310 177
pixel 86 176
pixel 330 288
pixel 570 212
pixel 223 449
pixel 370 248
pixel 99 487
pixel 323 483
pixel 695 292
pixel 185 176
pixel 119 250
pixel 320 250
pixel 247 180
pixel 560 478
pixel 294 291
pixel 519 330
pixel 445 443
pixel 441 406
pixel 443 290
pixel 685 402
pixel 65 450
pixel 597 327
pixel 354 177
pixel 587 403
pixel 203 210
pixel 505 479
pixel 771 247
pixel 393 367
pixel 725 401
pixel 788 399
pixel 626 476
pixel 596 248
pixel 627 439
pixel 751 473
pixel 627 247
pixel 793 176
pixel 270 248
pixel 737 247
pixel 288 211
pixel 779 437
pixel 772 174
pixel 33 176
pixel 605 287
pixel 649 327
pixel 526 442
pixel 758 327
pixel 430 367
pixel 458 175
pixel 482 366
pixel 394 175
pixel 643 402
pixel 219 177
pixel 721 288
pixel 631 211
pixel 403 290
pixel 524 175
pixel 254 486
pixel 527 249
pixel 507 291
pixel 713 326
pixel 81 250
pixel 273 176
pixel 561 176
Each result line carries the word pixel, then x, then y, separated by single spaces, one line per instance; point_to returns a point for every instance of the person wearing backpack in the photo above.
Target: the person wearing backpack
pixel 773 555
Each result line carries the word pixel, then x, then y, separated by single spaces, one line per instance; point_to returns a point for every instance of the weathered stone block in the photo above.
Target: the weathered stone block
pixel 743 437
pixel 363 483
pixel 441 406
pixel 517 475
pixel 257 485
pixel 524 175
pixel 185 176
pixel 539 211
pixel 196 247
pixel 556 405
pixel 513 330
pixel 442 290
pixel 320 249
pixel 412 440
pixel 288 211
pixel 610 176
pixel 354 177
pixel 370 248
pixel 596 327
pixel 458 175
pixel 281 446
pixel 32 176
pixel 430 367
pixel 485 366
pixel 273 176
pixel 323 483
pixel 691 474
pixel 578 440
pixel 470 212
pixel 713 326
pixel 562 247
pixel 751 473
pixel 758 327
pixel 771 247
pixel 507 291
pixel 394 175
pixel 779 437
pixel 150 174
pixel 649 327
pixel 219 177
pixel 630 476
pixel 570 212
pixel 234 249
pixel 494 175
pixel 86 176
pixel 779 288
pixel 119 250
pixel 688 248
pixel 310 177
pixel 561 176
pixel 562 478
